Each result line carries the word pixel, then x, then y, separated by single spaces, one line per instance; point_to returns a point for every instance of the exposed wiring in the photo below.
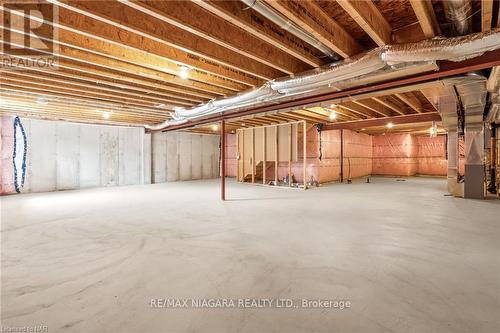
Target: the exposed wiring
pixel 18 124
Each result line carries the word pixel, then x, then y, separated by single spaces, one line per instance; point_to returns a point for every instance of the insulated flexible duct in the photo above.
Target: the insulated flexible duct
pixel 289 26
pixel 384 58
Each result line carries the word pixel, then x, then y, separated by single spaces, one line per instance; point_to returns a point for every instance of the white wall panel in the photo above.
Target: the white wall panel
pixel 90 164
pixel 42 143
pixel 159 157
pixel 185 156
pixel 172 156
pixel 196 156
pixel 68 155
pixel 108 156
pixel 129 155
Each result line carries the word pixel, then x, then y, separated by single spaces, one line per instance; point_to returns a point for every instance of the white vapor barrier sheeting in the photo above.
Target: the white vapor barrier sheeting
pixel 66 156
pixel 184 156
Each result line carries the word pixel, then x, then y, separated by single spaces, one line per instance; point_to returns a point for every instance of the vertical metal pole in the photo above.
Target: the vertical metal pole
pixel 290 155
pixel 304 161
pixel 223 160
pixel 341 155
pixel 264 157
pixel 253 155
pixel 276 156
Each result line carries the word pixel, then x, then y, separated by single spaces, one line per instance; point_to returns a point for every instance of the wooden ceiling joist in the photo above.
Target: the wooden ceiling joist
pixel 309 16
pixel 373 106
pixel 260 27
pixel 200 22
pixel 426 17
pixel 388 104
pixel 411 101
pixel 486 14
pixel 183 47
pixel 369 18
pixel 91 87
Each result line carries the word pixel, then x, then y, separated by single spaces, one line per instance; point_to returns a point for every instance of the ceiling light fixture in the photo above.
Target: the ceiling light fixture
pixel 333 115
pixel 106 115
pixel 215 127
pixel 183 72
pixel 390 125
pixel 42 101
pixel 242 124
pixel 161 105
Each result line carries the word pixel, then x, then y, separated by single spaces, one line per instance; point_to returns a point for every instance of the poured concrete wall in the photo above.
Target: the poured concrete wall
pixel 66 156
pixel 184 156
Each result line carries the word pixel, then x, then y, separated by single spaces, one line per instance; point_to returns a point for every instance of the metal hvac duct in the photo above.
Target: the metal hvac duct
pixel 384 58
pixel 493 87
pixel 289 26
pixel 459 14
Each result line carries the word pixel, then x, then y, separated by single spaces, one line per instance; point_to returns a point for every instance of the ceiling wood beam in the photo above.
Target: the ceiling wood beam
pixel 96 52
pixel 373 106
pixel 426 17
pixel 411 101
pixel 91 87
pixel 57 90
pixel 486 14
pixel 260 27
pixel 385 102
pixel 178 45
pixel 369 18
pixel 309 16
pixel 358 109
pixel 99 82
pixel 69 101
pixel 201 22
pixel 396 120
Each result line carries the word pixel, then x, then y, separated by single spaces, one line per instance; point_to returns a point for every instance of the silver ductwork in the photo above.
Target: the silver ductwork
pixel 359 68
pixel 493 87
pixel 459 14
pixel 289 26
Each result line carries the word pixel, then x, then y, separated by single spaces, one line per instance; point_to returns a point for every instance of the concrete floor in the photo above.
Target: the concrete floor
pixel 408 258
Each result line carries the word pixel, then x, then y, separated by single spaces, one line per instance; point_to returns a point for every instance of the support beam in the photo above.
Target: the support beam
pixel 411 101
pixel 486 14
pixel 223 159
pixel 407 119
pixel 259 26
pixel 309 16
pixel 290 155
pixel 369 18
pixel 382 100
pixel 447 68
pixel 304 157
pixel 276 156
pixel 264 157
pixel 202 23
pixel 426 17
pixel 177 44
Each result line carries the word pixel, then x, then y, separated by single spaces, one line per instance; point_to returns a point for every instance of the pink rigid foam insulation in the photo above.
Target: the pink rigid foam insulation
pixel 6 149
pixel 432 155
pixel 395 155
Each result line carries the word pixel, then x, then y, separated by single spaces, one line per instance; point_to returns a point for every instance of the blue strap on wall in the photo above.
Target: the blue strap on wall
pixel 18 124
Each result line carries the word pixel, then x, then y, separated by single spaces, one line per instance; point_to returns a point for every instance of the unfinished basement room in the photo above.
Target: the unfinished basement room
pixel 250 166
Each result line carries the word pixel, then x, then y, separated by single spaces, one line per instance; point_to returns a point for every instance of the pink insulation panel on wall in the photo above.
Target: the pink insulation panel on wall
pixel 395 155
pixel 6 148
pixel 432 156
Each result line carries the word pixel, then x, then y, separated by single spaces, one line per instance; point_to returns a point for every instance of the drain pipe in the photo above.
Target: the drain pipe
pixel 459 14
pixel 289 26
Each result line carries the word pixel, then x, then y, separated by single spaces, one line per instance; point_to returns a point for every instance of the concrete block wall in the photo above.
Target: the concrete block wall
pixel 184 156
pixel 66 156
